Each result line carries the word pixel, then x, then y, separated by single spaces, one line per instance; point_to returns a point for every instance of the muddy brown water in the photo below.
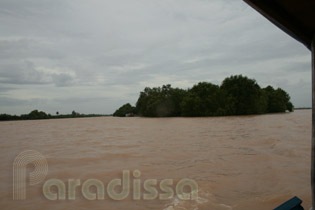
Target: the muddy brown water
pixel 239 162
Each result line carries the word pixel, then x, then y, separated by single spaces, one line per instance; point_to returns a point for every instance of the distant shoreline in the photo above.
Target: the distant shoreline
pixel 40 115
pixel 56 118
pixel 109 115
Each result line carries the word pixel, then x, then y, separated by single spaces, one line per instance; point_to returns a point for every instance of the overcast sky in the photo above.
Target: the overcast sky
pixel 92 56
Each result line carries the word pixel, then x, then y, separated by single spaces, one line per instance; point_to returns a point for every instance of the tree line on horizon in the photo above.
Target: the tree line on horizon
pixel 237 95
pixel 38 115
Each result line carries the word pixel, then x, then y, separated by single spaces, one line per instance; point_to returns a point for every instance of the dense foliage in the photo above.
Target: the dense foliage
pixel 237 95
pixel 125 110
pixel 160 102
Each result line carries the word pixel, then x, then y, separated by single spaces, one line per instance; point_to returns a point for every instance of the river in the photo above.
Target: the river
pixel 239 162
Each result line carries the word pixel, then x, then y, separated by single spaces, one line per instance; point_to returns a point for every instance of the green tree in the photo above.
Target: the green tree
pixel 237 95
pixel 73 114
pixel 125 109
pixel 202 99
pixel 35 114
pixel 278 100
pixel 246 95
pixel 160 101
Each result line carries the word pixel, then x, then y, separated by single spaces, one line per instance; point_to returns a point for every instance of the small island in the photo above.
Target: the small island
pixel 237 95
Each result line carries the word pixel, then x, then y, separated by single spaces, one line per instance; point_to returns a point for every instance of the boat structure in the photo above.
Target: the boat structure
pixel 297 19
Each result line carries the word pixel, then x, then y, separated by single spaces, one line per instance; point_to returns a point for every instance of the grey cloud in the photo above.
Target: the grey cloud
pixel 26 48
pixel 298 67
pixel 117 47
pixel 24 73
pixel 4 90
pixel 62 79
pixel 21 73
pixel 6 101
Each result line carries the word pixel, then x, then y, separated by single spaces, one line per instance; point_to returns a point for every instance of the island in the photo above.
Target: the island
pixel 237 95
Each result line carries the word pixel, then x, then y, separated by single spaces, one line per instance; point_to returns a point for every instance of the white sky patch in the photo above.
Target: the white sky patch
pixel 56 70
pixel 194 60
pixel 129 68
